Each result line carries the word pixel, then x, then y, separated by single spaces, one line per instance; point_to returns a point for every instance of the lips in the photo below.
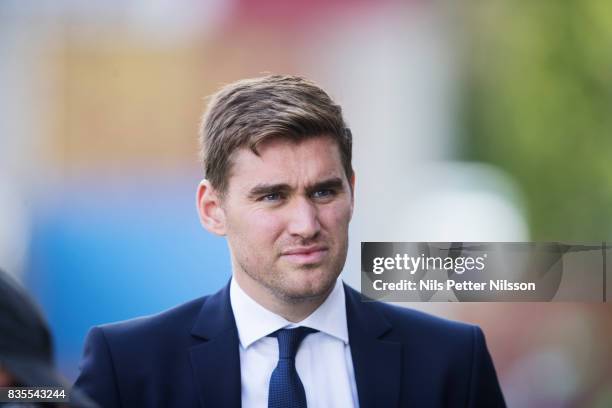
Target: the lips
pixel 305 255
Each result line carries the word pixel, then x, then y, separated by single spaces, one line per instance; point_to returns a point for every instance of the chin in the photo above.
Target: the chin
pixel 309 284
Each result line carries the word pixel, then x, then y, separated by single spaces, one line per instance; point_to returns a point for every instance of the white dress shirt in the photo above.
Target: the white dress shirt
pixel 323 360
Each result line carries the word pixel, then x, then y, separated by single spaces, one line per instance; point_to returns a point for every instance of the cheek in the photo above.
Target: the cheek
pixel 258 228
pixel 336 217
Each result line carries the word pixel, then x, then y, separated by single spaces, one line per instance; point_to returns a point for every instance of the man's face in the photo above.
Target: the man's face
pixel 287 213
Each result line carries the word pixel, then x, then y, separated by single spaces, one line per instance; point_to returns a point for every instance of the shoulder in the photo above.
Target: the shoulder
pixel 169 324
pixel 419 329
pixel 407 320
pixel 127 363
pixel 450 356
pixel 422 331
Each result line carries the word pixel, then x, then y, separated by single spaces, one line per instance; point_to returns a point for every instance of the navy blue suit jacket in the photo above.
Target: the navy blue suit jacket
pixel 189 357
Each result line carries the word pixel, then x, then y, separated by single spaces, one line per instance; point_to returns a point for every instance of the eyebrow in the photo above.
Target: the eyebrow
pixel 334 183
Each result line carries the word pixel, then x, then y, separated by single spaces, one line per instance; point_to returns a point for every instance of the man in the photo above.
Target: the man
pixel 285 332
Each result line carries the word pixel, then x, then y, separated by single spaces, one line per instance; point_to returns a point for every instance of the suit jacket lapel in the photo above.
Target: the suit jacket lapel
pixel 377 362
pixel 216 361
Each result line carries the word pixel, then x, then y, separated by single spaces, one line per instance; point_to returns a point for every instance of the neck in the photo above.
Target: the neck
pixel 293 310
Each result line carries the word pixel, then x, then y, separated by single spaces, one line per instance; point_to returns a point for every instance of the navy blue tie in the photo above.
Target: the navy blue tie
pixel 286 389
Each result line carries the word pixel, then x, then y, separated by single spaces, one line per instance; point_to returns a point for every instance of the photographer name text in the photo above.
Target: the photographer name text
pixel 450 284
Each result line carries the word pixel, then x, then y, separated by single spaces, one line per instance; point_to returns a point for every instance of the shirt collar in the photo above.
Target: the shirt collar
pixel 255 322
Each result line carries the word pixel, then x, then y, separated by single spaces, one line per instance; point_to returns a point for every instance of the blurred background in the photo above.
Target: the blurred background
pixel 472 121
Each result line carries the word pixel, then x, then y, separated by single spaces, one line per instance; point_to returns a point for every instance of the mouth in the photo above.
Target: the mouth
pixel 305 255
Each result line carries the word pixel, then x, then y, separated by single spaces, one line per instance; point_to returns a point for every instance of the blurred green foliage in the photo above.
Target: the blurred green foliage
pixel 538 104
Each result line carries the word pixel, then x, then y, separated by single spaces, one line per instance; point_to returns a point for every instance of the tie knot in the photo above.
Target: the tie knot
pixel 289 340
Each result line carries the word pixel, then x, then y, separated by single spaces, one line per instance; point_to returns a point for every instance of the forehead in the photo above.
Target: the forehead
pixel 283 160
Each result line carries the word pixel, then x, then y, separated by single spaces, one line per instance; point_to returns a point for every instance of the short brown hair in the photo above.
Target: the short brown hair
pixel 249 111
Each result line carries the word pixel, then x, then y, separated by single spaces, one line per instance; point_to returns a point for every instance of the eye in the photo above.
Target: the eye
pixel 326 193
pixel 271 197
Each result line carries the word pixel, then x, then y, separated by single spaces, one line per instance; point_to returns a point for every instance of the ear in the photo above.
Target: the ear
pixel 212 215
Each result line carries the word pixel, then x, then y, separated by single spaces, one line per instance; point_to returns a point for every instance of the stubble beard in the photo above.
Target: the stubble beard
pixel 276 281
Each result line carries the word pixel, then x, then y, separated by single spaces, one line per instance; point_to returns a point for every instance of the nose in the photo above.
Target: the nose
pixel 304 219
